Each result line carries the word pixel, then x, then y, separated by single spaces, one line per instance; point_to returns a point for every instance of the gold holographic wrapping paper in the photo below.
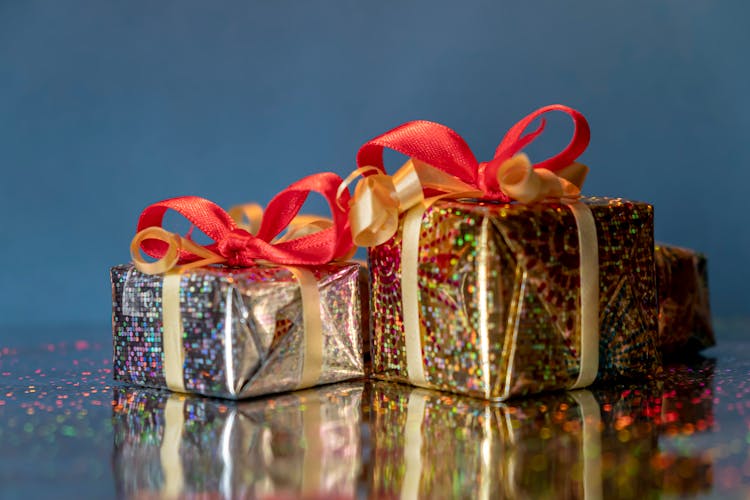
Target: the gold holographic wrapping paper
pixel 301 444
pixel 684 307
pixel 242 328
pixel 431 444
pixel 505 279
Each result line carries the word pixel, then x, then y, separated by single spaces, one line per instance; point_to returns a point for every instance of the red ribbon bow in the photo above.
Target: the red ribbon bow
pixel 239 247
pixel 442 148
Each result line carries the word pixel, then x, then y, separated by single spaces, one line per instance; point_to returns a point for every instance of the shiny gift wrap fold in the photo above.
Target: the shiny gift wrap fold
pixel 266 307
pixel 496 279
pixel 684 307
pixel 303 444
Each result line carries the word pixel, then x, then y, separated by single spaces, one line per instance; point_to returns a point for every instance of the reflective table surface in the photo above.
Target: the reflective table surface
pixel 68 431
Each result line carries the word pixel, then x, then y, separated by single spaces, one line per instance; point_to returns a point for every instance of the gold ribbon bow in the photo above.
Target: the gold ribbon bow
pixel 379 199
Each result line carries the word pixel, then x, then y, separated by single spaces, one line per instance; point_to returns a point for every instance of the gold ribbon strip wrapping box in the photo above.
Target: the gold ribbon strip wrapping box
pixel 237 333
pixel 300 444
pixel 495 300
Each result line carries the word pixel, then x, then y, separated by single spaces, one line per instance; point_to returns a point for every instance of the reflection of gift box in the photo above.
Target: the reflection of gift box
pixel 680 402
pixel 678 405
pixel 428 444
pixel 687 402
pixel 498 301
pixel 234 332
pixel 302 443
pixel 686 476
pixel 684 308
pixel 686 410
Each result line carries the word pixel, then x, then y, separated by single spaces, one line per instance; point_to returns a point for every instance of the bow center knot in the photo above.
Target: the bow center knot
pixel 234 244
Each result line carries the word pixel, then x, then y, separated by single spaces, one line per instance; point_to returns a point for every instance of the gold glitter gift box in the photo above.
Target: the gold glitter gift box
pixel 169 445
pixel 499 298
pixel 496 279
pixel 242 329
pixel 684 307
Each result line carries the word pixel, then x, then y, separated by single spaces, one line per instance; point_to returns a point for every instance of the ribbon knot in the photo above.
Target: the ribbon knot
pixel 234 244
pixel 441 165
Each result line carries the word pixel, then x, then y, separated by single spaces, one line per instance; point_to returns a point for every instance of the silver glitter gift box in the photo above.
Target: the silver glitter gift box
pixel 242 330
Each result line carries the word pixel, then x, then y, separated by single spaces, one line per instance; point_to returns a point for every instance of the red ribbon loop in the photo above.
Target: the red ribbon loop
pixel 444 149
pixel 241 248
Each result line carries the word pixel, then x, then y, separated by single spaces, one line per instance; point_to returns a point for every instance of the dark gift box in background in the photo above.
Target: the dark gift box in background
pixel 499 297
pixel 684 306
pixel 243 329
pixel 176 446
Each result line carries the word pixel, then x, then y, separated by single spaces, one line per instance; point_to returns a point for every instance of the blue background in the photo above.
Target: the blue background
pixel 106 107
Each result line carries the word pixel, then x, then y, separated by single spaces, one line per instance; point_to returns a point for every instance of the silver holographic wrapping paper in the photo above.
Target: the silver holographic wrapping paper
pixel 242 328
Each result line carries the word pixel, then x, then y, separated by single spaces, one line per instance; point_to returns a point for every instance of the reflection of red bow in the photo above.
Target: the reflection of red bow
pixel 444 149
pixel 238 247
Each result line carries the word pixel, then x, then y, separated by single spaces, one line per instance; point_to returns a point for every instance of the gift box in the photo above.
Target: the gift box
pixel 499 297
pixel 684 308
pixel 497 279
pixel 430 444
pixel 270 305
pixel 302 444
pixel 242 331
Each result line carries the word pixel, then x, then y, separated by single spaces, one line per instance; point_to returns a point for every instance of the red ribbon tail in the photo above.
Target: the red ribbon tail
pixel 317 248
pixel 514 141
pixel 203 214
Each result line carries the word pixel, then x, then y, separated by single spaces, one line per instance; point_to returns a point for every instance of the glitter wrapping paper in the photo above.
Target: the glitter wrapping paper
pixel 512 271
pixel 684 307
pixel 175 445
pixel 560 445
pixel 242 328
